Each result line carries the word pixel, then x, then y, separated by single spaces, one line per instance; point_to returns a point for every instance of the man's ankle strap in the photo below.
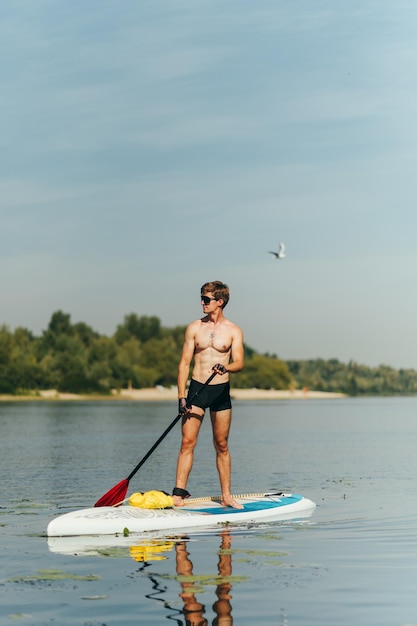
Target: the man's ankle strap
pixel 182 493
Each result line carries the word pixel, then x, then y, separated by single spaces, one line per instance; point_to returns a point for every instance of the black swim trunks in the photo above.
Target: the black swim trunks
pixel 215 397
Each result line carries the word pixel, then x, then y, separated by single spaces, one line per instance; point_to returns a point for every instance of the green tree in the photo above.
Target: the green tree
pixel 142 328
pixel 162 356
pixel 85 334
pixel 263 372
pixel 7 375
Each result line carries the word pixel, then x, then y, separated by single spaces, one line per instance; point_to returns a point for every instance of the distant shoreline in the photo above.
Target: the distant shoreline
pixel 164 394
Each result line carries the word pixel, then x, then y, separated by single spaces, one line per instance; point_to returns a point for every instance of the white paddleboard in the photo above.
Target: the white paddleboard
pixel 197 512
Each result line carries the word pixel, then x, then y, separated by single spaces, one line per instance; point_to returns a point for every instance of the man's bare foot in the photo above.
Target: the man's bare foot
pixel 229 501
pixel 178 501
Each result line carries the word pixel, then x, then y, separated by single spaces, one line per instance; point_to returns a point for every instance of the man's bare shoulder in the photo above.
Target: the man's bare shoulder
pixel 195 325
pixel 234 327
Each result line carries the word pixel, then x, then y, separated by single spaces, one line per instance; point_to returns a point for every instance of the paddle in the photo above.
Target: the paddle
pixel 117 494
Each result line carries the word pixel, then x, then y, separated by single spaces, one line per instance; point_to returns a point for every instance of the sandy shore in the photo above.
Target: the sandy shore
pixel 237 394
pixel 160 394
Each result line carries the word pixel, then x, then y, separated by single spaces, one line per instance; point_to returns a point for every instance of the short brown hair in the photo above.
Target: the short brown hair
pixel 219 290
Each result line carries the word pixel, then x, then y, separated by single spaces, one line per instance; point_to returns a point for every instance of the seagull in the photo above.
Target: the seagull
pixel 281 252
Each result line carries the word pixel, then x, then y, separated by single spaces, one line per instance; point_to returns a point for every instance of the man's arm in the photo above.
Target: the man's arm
pixel 185 361
pixel 238 354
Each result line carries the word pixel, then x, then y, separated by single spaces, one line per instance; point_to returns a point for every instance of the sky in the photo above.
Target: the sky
pixel 150 146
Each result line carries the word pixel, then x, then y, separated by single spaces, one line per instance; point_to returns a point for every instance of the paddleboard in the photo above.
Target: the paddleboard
pixel 197 512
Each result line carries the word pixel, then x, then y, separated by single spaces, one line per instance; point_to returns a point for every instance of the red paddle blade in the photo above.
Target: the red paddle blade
pixel 115 495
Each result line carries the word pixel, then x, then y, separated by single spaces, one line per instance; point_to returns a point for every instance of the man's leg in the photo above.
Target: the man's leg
pixel 221 421
pixel 190 428
pixel 193 609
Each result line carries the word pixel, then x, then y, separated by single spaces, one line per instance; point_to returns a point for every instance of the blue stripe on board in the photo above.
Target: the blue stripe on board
pixel 259 505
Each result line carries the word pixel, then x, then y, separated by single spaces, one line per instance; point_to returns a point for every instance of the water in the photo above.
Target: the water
pixel 352 562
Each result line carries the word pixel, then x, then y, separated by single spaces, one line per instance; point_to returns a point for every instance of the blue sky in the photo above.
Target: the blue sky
pixel 148 147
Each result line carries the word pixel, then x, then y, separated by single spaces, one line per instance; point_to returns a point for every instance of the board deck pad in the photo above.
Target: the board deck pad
pixel 195 513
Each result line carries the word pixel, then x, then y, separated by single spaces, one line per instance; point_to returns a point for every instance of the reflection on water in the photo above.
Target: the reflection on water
pixel 193 609
pixel 151 551
pixel 190 584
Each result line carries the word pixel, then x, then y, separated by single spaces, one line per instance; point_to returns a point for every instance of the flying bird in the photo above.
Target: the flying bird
pixel 281 252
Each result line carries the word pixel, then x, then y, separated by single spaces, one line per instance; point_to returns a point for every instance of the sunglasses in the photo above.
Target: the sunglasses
pixel 206 299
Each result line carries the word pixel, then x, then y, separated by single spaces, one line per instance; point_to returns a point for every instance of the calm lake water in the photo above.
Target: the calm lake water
pixel 354 561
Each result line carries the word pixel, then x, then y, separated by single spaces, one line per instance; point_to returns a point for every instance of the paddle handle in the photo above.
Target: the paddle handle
pixel 167 430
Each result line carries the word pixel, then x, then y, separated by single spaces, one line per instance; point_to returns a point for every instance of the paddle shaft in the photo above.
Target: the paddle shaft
pixel 164 434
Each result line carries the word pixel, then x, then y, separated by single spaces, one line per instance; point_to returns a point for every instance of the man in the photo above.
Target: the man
pixel 216 346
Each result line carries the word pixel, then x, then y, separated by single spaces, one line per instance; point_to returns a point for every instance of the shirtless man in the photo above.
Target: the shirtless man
pixel 216 345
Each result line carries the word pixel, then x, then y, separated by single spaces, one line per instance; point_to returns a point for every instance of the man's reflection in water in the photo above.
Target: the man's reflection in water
pixel 222 606
pixel 194 610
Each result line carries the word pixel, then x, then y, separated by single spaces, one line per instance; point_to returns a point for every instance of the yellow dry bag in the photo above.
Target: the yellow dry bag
pixel 151 500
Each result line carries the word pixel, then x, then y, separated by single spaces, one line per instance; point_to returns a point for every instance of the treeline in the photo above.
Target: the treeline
pixel 141 353
pixel 353 378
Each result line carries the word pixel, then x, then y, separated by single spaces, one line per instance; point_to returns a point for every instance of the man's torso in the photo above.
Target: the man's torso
pixel 212 344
